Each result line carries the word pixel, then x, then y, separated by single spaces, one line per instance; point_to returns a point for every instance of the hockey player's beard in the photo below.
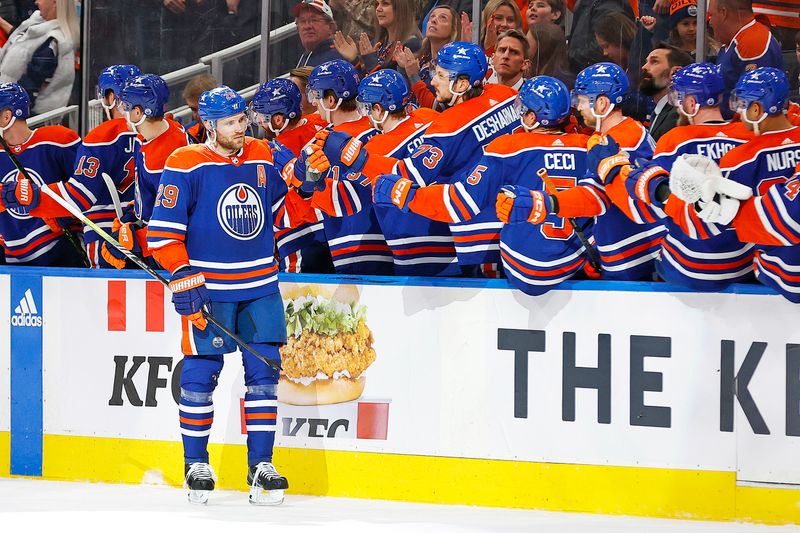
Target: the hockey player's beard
pixel 649 86
pixel 232 143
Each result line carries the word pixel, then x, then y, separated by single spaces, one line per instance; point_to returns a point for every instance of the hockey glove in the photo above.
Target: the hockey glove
pixel 642 184
pixel 124 232
pixel 721 210
pixel 22 194
pixel 695 177
pixel 189 295
pixel 310 169
pixel 393 190
pixel 342 150
pixel 604 158
pixel 516 204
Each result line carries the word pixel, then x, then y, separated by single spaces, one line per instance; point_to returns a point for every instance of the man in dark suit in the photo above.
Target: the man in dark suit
pixel 657 72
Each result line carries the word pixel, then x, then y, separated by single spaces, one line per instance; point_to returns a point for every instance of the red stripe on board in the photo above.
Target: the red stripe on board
pixel 154 305
pixel 116 305
pixel 373 420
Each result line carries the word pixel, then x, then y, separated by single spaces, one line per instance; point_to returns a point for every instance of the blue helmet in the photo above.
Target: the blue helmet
pixel 14 98
pixel 278 96
pixel 701 80
pixel 338 76
pixel 148 91
pixel 113 78
pixel 766 85
pixel 547 97
pixel 606 79
pixel 220 102
pixel 385 87
pixel 460 58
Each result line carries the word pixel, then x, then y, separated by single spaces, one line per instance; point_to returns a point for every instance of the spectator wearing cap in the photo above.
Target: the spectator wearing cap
pixel 683 28
pixel 746 43
pixel 316 27
pixel 664 61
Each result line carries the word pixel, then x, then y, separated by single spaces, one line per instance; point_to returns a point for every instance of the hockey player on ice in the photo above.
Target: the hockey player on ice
pixel 212 228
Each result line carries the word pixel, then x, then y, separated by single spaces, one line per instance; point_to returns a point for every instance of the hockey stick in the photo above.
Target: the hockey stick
pixel 24 172
pixel 144 266
pixel 594 258
pixel 112 190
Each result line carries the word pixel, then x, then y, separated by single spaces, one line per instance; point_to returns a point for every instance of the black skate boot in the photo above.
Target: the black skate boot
pixel 200 479
pixel 266 484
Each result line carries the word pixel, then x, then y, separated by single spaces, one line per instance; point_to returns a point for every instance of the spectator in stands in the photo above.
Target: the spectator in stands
pixel 683 28
pixel 549 52
pixel 511 59
pixel 664 61
pixel 396 26
pixel 614 33
pixel 299 76
pixel 191 95
pixel 783 17
pixel 498 16
pixel 463 9
pixel 40 55
pixel 583 48
pixel 316 27
pixel 444 26
pixel 794 77
pixel 747 44
pixel 545 11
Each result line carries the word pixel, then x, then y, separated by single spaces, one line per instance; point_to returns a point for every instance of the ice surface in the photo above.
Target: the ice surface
pixel 33 505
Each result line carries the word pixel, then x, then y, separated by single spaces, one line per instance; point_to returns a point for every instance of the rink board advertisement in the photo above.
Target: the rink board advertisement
pixel 669 381
pixel 5 377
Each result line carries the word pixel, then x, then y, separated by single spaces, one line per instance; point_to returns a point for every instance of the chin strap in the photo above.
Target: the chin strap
pixel 4 128
pixel 331 110
pixel 599 118
pixel 754 123
pixel 132 123
pixel 455 95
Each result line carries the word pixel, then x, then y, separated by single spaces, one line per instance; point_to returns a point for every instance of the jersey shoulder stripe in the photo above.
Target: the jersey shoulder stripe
pixel 53 135
pixel 356 128
pixel 671 142
pixel 750 150
pixel 388 143
pixel 189 157
pixel 108 132
pixel 514 143
pixel 752 41
pixel 629 133
pixel 157 151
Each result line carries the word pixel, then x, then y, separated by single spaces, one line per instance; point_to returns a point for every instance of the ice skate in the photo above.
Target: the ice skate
pixel 200 479
pixel 266 485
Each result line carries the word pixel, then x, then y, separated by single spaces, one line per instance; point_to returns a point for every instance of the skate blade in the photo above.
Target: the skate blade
pixel 199 497
pixel 259 496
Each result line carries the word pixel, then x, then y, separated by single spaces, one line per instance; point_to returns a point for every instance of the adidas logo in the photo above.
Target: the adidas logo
pixel 492 102
pixel 787 141
pixel 557 142
pixel 26 313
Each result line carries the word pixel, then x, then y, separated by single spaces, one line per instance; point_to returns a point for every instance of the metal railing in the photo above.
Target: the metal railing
pixel 56 116
pixel 213 63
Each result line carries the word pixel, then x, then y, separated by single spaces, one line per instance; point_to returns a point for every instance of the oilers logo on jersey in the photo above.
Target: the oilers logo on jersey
pixel 240 212
pixel 22 213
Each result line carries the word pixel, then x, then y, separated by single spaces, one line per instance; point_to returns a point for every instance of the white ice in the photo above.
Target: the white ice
pixel 35 505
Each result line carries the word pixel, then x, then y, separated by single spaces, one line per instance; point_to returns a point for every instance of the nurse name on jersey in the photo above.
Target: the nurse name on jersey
pixel 783 160
pixel 495 122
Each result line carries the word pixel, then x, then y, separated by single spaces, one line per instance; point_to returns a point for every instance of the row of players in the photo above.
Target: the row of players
pixel 210 209
pixel 453 164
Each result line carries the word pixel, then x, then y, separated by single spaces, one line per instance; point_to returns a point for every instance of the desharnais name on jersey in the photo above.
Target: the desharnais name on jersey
pixel 48 156
pixel 218 214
